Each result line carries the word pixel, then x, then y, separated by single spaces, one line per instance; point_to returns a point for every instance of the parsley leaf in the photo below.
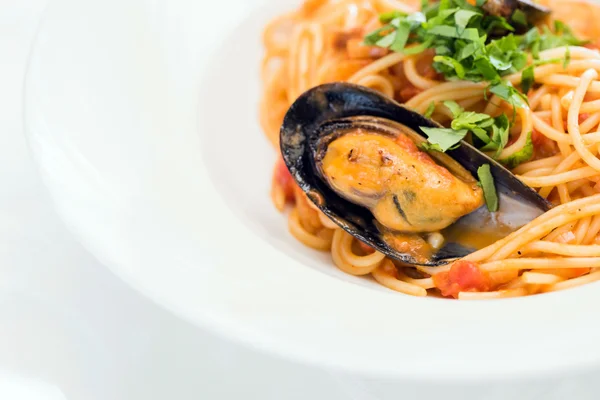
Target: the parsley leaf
pixel 447 64
pixel 507 92
pixel 463 17
pixel 499 137
pixel 453 32
pixel 527 79
pixel 537 63
pixel 430 110
pixel 468 120
pixel 532 41
pixel 389 16
pixel 486 181
pixel 374 37
pixel 519 17
pixel 492 132
pixel 426 146
pixel 454 108
pixel 537 41
pixel 387 40
pixel 401 37
pixel 444 138
pixel 486 69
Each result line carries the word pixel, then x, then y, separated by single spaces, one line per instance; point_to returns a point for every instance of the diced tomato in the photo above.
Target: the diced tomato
pixel 463 276
pixel 408 92
pixel 582 118
pixel 577 272
pixel 543 146
pixel 537 138
pixel 405 89
pixel 282 176
pixel 366 248
pixel 425 65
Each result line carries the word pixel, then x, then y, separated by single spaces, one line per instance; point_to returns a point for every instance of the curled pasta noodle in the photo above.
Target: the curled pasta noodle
pixel 386 275
pixel 421 82
pixel 313 241
pixel 349 262
pixel 379 83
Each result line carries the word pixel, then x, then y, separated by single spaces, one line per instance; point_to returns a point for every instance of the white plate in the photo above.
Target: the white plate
pixel 172 194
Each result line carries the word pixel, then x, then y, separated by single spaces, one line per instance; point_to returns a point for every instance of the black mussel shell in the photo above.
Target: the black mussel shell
pixel 315 115
pixel 506 8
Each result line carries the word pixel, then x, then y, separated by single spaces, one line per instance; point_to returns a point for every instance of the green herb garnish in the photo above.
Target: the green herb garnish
pixel 391 15
pixel 442 139
pixel 535 40
pixel 430 110
pixel 527 79
pixel 520 156
pixel 499 136
pixel 486 181
pixel 470 44
pixel 491 132
pixel 506 91
pixel 519 17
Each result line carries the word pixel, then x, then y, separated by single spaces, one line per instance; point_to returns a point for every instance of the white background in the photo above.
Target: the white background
pixel 66 323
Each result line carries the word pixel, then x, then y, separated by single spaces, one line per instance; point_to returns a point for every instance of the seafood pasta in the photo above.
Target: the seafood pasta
pixel 504 81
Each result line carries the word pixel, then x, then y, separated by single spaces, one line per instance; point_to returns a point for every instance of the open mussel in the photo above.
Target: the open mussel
pixel 355 153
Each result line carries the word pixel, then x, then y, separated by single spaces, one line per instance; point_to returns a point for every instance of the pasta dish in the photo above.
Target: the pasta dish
pixel 512 82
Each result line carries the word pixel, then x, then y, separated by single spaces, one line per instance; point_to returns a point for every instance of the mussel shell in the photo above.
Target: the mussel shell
pixel 534 12
pixel 505 8
pixel 315 115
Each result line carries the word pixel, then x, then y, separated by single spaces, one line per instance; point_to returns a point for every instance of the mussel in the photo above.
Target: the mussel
pixel 354 153
pixel 506 8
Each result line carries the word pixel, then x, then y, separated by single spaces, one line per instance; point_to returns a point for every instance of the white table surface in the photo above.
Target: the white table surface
pixel 69 329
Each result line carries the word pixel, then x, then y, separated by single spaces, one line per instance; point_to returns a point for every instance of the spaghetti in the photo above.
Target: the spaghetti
pixel 321 42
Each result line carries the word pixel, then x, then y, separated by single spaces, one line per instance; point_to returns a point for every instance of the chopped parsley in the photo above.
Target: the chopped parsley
pixel 527 79
pixel 472 45
pixel 430 110
pixel 442 139
pixel 491 133
pixel 506 91
pixel 519 18
pixel 535 40
pixel 486 181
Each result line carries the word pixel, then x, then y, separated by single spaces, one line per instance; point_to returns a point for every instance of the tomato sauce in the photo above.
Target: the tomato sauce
pixel 463 276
